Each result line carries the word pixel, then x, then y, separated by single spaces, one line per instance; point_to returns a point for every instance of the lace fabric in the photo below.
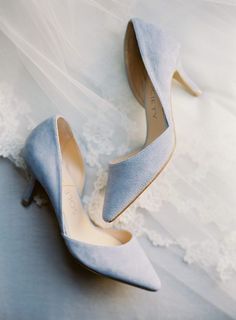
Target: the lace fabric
pixel 78 66
pixel 13 114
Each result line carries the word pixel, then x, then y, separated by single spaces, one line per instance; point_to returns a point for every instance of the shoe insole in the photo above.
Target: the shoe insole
pixel 77 223
pixel 156 119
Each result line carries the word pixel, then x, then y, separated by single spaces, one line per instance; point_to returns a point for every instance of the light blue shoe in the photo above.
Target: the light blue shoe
pixel 55 161
pixel 152 60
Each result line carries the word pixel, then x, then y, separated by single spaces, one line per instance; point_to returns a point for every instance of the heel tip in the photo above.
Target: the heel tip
pixel 28 195
pixel 197 93
pixel 25 203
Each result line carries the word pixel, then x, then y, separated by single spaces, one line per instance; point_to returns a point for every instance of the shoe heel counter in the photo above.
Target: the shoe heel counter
pixel 156 42
pixel 38 145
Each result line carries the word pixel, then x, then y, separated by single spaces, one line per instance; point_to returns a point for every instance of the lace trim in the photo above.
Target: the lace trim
pixel 15 125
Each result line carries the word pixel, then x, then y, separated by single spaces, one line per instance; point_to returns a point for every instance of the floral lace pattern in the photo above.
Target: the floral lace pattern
pixel 15 125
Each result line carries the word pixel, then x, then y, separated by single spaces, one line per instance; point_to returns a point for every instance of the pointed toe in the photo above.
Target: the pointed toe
pixel 110 209
pixel 128 179
pixel 115 262
pixel 154 284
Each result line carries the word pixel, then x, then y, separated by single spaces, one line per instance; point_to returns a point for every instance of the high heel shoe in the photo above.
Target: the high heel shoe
pixel 55 162
pixel 152 60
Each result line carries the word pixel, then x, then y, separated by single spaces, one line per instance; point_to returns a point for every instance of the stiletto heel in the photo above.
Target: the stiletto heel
pixel 182 77
pixel 54 158
pixel 152 60
pixel 29 192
